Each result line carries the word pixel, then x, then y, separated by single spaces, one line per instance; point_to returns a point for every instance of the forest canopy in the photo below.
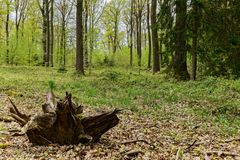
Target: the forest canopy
pixel 188 38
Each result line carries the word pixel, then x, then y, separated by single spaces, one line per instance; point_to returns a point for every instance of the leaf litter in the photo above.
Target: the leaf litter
pixel 137 136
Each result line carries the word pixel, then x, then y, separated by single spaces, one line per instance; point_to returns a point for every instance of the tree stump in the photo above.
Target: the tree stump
pixel 62 122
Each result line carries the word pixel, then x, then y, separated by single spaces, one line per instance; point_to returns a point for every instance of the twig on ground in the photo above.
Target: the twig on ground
pixel 138 140
pixel 190 146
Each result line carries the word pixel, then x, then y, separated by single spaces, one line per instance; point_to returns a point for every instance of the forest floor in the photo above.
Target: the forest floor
pixel 168 119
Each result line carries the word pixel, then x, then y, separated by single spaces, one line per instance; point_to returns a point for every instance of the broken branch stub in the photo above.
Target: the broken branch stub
pixel 61 122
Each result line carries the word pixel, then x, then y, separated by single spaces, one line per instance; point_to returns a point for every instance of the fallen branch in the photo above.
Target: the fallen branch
pixel 139 140
pixel 221 153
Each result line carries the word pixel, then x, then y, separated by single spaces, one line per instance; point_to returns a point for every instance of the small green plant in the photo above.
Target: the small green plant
pixel 52 85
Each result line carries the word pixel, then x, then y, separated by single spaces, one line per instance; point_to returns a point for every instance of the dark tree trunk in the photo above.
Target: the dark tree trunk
pixel 52 34
pixel 131 33
pixel 44 32
pixel 156 64
pixel 62 123
pixel 79 40
pixel 86 34
pixel 139 32
pixel 149 36
pixel 48 33
pixel 179 60
pixel 7 32
pixel 196 23
pixel 115 38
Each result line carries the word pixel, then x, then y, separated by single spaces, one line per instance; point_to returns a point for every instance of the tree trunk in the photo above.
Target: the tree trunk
pixel 52 34
pixel 79 40
pixel 179 61
pixel 48 34
pixel 91 43
pixel 7 32
pixel 86 34
pixel 115 38
pixel 156 65
pixel 44 32
pixel 195 38
pixel 139 32
pixel 62 123
pixel 149 36
pixel 131 33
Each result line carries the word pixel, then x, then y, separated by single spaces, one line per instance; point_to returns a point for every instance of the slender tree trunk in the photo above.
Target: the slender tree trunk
pixel 131 33
pixel 115 39
pixel 139 32
pixel 180 60
pixel 79 40
pixel 62 41
pixel 7 32
pixel 149 36
pixel 91 38
pixel 195 38
pixel 48 33
pixel 58 44
pixel 86 34
pixel 44 32
pixel 52 34
pixel 156 65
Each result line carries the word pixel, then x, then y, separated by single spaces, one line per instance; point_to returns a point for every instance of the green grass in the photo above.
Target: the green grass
pixel 213 100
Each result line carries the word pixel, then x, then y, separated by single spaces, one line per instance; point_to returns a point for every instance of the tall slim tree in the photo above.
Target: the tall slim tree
pixel 131 32
pixel 86 6
pixel 43 9
pixel 156 64
pixel 149 35
pixel 179 59
pixel 65 9
pixel 51 34
pixel 7 30
pixel 79 40
pixel 48 33
pixel 139 9
pixel 196 25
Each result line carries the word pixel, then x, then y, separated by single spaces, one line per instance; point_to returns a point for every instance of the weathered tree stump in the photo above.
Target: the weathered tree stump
pixel 62 122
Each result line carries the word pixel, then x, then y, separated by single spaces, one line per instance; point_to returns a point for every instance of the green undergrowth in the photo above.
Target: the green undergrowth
pixel 213 100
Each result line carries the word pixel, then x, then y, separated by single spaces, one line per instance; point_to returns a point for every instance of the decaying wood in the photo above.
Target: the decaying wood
pixel 61 122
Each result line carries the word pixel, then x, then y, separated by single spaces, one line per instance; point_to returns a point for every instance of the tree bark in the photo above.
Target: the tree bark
pixel 86 34
pixel 149 36
pixel 79 40
pixel 180 60
pixel 52 34
pixel 44 31
pixel 7 32
pixel 156 64
pixel 139 32
pixel 196 23
pixel 48 33
pixel 131 33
